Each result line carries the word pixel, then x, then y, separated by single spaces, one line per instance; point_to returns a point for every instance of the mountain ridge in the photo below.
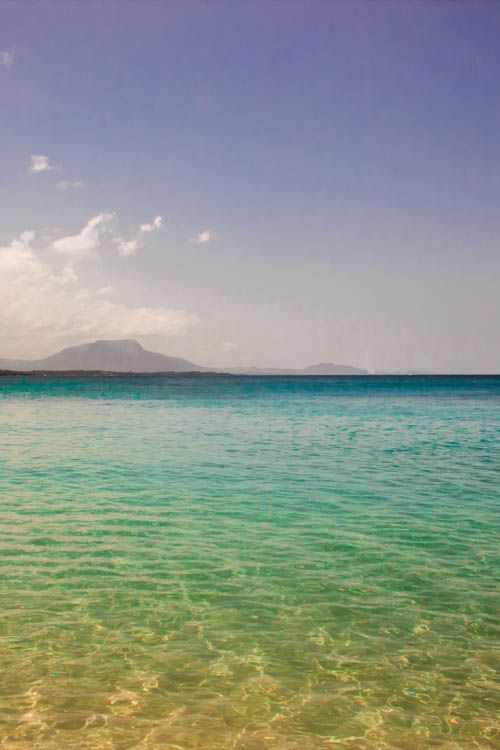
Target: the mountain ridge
pixel 107 355
pixel 128 355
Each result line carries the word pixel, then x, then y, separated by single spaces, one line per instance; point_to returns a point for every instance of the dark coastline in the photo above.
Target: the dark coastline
pixel 104 374
pixel 69 374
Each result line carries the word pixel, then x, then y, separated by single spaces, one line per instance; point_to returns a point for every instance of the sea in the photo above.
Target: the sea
pixel 249 563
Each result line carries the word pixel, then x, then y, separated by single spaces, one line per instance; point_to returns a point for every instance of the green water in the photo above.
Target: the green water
pixel 249 563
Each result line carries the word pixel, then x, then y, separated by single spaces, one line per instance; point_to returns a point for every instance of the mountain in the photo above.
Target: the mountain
pixel 124 355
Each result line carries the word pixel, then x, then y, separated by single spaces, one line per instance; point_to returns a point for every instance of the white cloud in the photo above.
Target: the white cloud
pixel 7 58
pixel 49 307
pixel 126 247
pixel 86 242
pixel 64 185
pixel 157 224
pixel 40 163
pixel 202 238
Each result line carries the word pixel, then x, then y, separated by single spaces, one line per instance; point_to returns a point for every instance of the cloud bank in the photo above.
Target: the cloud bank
pixel 45 303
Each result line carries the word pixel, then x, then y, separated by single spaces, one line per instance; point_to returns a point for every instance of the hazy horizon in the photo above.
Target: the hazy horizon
pixel 270 185
pixel 243 369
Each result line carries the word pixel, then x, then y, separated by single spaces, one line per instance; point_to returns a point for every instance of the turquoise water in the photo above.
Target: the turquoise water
pixel 249 563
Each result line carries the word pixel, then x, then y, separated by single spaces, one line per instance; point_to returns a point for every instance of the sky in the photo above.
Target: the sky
pixel 253 183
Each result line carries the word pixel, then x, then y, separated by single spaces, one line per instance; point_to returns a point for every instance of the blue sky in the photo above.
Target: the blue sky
pixel 340 160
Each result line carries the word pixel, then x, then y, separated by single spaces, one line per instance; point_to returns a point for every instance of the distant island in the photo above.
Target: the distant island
pixel 122 356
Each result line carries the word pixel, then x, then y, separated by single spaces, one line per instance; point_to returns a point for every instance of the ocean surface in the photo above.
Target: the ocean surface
pixel 249 563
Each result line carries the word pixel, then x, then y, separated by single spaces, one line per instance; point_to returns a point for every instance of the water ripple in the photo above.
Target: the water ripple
pixel 249 564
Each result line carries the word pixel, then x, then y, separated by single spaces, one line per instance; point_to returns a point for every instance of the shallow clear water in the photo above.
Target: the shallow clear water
pixel 249 563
